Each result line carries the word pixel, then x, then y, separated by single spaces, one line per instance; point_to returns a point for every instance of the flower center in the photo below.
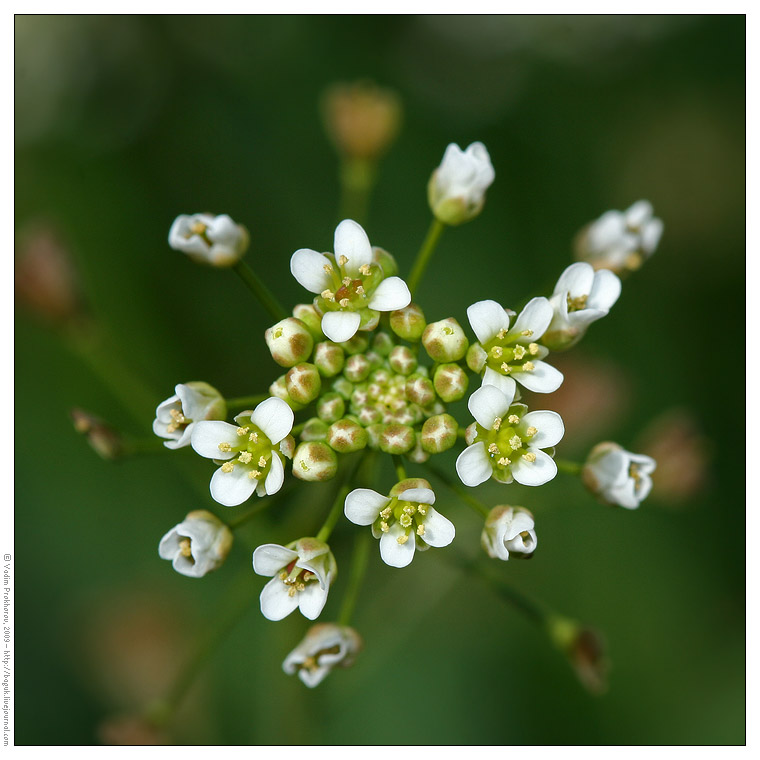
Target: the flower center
pixel 179 421
pixel 576 304
pixel 507 441
pixel 409 515
pixel 511 354
pixel 348 293
pixel 295 578
pixel 382 399
pixel 185 548
pixel 253 450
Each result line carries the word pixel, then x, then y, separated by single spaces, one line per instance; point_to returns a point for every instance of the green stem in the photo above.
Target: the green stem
pixel 399 465
pixel 246 401
pixel 461 492
pixel 335 512
pixel 357 178
pixel 571 468
pixel 425 253
pixel 260 290
pixel 263 503
pixel 358 568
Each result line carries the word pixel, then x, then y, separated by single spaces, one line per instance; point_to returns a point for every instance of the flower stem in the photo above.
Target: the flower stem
pixel 358 568
pixel 357 178
pixel 461 492
pixel 262 504
pixel 260 290
pixel 337 508
pixel 399 465
pixel 571 468
pixel 425 253
pixel 247 401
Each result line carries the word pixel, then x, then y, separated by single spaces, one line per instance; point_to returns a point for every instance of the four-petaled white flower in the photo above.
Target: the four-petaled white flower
pixel 176 417
pixel 620 240
pixel 402 521
pixel 301 574
pixel 617 476
pixel 251 452
pixel 507 354
pixel 351 287
pixel 325 646
pixel 209 239
pixel 580 297
pixel 198 545
pixel 509 531
pixel 507 442
pixel 457 188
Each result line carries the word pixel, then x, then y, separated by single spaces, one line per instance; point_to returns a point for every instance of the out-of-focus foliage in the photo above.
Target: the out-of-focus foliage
pixel 124 122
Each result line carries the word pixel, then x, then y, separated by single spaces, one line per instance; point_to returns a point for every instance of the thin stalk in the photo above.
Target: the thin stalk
pixel 358 569
pixel 461 492
pixel 247 401
pixel 337 508
pixel 425 254
pixel 399 465
pixel 260 290
pixel 263 503
pixel 357 178
pixel 571 468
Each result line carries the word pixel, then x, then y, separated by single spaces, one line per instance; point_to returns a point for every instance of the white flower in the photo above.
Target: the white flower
pixel 351 287
pixel 301 576
pixel 581 296
pixel 510 354
pixel 507 442
pixel 406 514
pixel 209 239
pixel 617 476
pixel 457 188
pixel 509 531
pixel 620 240
pixel 252 451
pixel 198 545
pixel 325 646
pixel 176 417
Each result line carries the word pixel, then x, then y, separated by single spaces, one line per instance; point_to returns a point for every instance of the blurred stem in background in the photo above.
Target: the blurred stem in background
pixel 256 285
pixel 425 254
pixel 357 178
pixel 462 493
pixel 359 560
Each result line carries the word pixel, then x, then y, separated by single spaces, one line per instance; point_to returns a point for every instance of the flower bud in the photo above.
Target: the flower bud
pixel 403 360
pixel 198 545
pixel 356 345
pixel 439 433
pixel 408 323
pixel 311 318
pixel 208 239
pixel 103 439
pixel 418 455
pixel 357 368
pixel 344 387
pixel 325 646
pixel 279 388
pixel 585 649
pixel 457 188
pixel 329 358
pixel 314 461
pixel 509 532
pixel 331 407
pixel 289 342
pixel 314 429
pixel 383 343
pixel 374 432
pixel 450 382
pixel 385 260
pixel 368 415
pixel 375 360
pixel 303 383
pixel 616 476
pixel 397 439
pixel 476 357
pixel 408 484
pixel 420 390
pixel 346 436
pixel 445 341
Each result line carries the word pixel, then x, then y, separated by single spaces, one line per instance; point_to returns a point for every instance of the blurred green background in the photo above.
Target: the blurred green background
pixel 122 123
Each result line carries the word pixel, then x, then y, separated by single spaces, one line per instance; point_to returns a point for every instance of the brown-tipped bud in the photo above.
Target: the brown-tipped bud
pixel 586 651
pixel 331 407
pixel 418 455
pixel 383 343
pixel 314 429
pixel 439 433
pixel 386 261
pixel 445 341
pixel 374 359
pixel 471 433
pixel 308 314
pixel 357 368
pixel 346 436
pixel 303 383
pixel 450 382
pixel 344 387
pixel 361 119
pixel 314 461
pixel 409 483
pixel 329 358
pixel 397 439
pixel 103 439
pixel 408 323
pixel 420 390
pixel 288 446
pixel 374 432
pixel 403 360
pixel 289 342
pixel 356 345
pixel 476 357
pixel 368 415
pixel 279 388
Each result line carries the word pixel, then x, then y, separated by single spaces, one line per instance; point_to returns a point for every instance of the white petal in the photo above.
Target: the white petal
pixel 521 521
pixel 543 378
pixel 208 434
pixel 505 384
pixel 391 294
pixel 276 475
pixel 487 318
pixel 275 601
pixel 487 403
pixel 311 600
pixel 392 552
pixel 534 473
pixel 308 267
pixel 651 234
pixel 352 242
pixel 580 320
pixel 363 506
pixel 605 291
pixel 169 544
pixel 418 495
pixel 474 465
pixel 340 326
pixel 577 280
pixel 549 425
pixel 232 488
pixel 274 417
pixel 269 559
pixel 439 530
pixel 638 213
pixel 535 317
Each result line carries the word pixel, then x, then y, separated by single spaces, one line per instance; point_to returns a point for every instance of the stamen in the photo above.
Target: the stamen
pixel 505 368
pixel 405 521
pixel 504 461
pixel 493 449
pixel 254 437
pixel 254 474
pixel 198 228
pixel 515 442
pixel 531 431
pixel 243 430
pixel 513 419
pixel 245 457
pixel 497 423
pixel 496 352
pixel 385 514
pixel 228 467
pixel 519 351
pixel 342 261
pixel 364 269
pixel 328 295
pixel 528 367
pixel 529 457
pixel 501 334
pixel 403 539
pixel 184 548
pixel 422 509
pixel 384 526
pixel 410 510
pixel 533 348
pixel 283 575
pixel 360 290
pixel 328 268
pixel 527 333
pixel 292 591
pixel 262 461
pixel 420 530
pixel 346 281
pixel 344 302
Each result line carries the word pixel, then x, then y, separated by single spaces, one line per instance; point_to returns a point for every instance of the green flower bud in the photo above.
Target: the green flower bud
pixel 397 439
pixel 356 345
pixel 375 432
pixel 385 260
pixel 331 407
pixel 289 342
pixel 476 357
pixel 408 323
pixel 357 368
pixel 346 436
pixel 314 461
pixel 450 382
pixel 403 360
pixel 383 343
pixel 314 430
pixel 344 387
pixel 439 433
pixel 303 383
pixel 311 318
pixel 409 483
pixel 445 341
pixel 329 358
pixel 418 455
pixel 374 359
pixel 420 390
pixel 368 415
pixel 279 388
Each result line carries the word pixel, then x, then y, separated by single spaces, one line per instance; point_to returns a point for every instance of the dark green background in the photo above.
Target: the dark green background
pixel 124 122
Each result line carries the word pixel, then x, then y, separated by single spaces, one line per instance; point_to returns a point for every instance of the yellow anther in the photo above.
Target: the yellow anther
pixel 243 431
pixel 228 467
pixel 328 268
pixel 422 509
pixel 531 430
pixel 385 514
pixel 403 539
pixel 198 228
pixel 300 586
pixel 245 457
pixel 505 368
pixel 262 461
pixel 283 575
pixel 176 415
pixel 384 526
pixel 577 303
pixel 292 591
pixel 405 521
pixel 364 269
pixel 420 530
pixel 346 281
pixel 513 419
pixel 529 457
pixel 493 449
pixel 528 367
pixel 307 574
pixel 342 261
pixel 533 348
pixel 410 510
pixel 360 290
pixel 344 302
pixel 328 295
pixel 527 333
pixel 504 461
pixel 497 423
pixel 515 442
pixel 501 334
pixel 497 351
pixel 519 352
pixel 254 437
pixel 254 474
pixel 184 548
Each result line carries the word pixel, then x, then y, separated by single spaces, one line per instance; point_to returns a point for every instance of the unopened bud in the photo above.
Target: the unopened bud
pixel 344 387
pixel 103 439
pixel 346 436
pixel 314 461
pixel 329 358
pixel 439 433
pixel 408 484
pixel 420 390
pixel 331 407
pixel 375 359
pixel 418 455
pixel 450 382
pixel 385 260
pixel 382 343
pixel 279 388
pixel 408 323
pixel 356 345
pixel 375 431
pixel 357 368
pixel 476 357
pixel 289 342
pixel 445 341
pixel 308 314
pixel 403 360
pixel 314 429
pixel 397 439
pixel 207 239
pixel 303 383
pixel 585 649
